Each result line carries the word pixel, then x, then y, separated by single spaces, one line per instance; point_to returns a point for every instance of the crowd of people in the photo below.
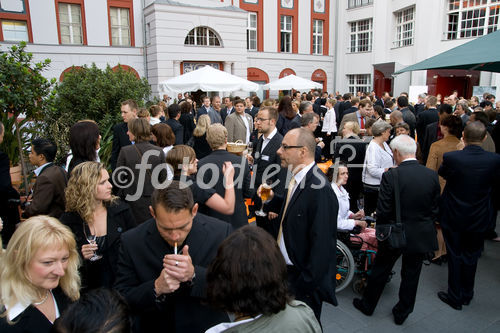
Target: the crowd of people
pixel 164 240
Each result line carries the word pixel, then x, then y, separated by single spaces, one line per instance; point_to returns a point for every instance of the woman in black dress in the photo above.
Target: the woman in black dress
pixel 91 209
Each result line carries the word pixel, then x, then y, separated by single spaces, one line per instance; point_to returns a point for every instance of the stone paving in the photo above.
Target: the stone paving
pixel 430 314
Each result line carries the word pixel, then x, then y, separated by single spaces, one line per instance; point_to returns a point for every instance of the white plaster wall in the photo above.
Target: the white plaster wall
pixel 305 33
pixel 96 18
pixel 270 26
pixel 43 27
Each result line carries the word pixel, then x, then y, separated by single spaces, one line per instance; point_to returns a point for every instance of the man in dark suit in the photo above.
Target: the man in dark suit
pixel 304 108
pixel 120 137
pixel 426 117
pixel 174 113
pixel 217 139
pixel 205 107
pixel 346 104
pixel 466 211
pixel 408 115
pixel 310 121
pixel 421 104
pixel 228 109
pixel 306 228
pixel 419 194
pixel 162 264
pixel 48 192
pixel 354 102
pixel 433 132
pixel 360 116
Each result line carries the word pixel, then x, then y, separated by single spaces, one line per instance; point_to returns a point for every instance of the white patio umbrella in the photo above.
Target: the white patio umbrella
pixel 207 79
pixel 292 82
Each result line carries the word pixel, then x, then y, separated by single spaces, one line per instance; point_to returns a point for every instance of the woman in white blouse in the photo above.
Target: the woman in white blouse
pixel 329 129
pixel 346 219
pixel 378 159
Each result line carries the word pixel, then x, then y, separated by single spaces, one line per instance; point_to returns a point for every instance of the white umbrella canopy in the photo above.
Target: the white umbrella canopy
pixel 290 82
pixel 207 79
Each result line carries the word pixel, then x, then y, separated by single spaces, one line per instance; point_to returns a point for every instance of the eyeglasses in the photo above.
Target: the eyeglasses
pixel 261 119
pixel 288 147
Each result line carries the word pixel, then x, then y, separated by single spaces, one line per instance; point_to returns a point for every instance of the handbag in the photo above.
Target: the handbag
pixel 394 233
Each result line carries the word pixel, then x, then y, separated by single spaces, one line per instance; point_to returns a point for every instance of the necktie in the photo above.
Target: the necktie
pixel 362 121
pixel 291 185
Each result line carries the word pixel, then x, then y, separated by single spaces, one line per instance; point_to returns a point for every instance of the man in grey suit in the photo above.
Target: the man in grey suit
pixel 361 116
pixel 239 124
pixel 206 108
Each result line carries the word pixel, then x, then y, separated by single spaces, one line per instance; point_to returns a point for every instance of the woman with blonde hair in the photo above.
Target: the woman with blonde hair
pixel 182 159
pixel 91 209
pixel 200 144
pixel 39 275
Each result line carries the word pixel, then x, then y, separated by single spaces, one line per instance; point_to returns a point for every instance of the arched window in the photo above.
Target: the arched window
pixel 202 36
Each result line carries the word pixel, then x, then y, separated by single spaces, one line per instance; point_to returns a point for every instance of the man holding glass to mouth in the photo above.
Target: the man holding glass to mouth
pixel 162 264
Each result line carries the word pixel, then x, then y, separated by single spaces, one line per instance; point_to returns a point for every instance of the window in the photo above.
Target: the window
pixel 15 31
pixel 405 24
pixel 120 26
pixel 317 36
pixel 70 23
pixel 361 36
pixel 358 3
pixel 202 36
pixel 359 82
pixel 286 34
pixel 472 18
pixel 252 32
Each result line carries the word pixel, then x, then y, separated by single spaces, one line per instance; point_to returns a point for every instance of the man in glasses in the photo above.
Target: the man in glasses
pixel 162 264
pixel 306 226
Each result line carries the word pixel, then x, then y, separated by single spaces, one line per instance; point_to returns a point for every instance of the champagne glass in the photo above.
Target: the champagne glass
pixel 265 192
pixel 92 240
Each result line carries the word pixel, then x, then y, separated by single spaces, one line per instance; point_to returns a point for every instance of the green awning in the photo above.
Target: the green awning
pixel 480 54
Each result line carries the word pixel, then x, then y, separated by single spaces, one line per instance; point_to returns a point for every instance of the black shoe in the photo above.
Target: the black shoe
pixel 446 299
pixel 467 302
pixel 358 304
pixel 398 319
pixel 437 261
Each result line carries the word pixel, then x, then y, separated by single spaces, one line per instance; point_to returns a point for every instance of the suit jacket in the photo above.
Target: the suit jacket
pixel 241 185
pixel 425 118
pixel 266 158
pixel 101 273
pixel 254 111
pixel 309 232
pixel 141 262
pixel 342 107
pixel 223 113
pixel 187 122
pixel 215 117
pixel 409 118
pixel 32 320
pixel 236 129
pixel 129 157
pixel 429 138
pixel 470 175
pixel 120 139
pixel 48 192
pixel 438 149
pixel 285 124
pixel 350 117
pixel 201 111
pixel 352 151
pixel 178 130
pixel 347 111
pixel 419 197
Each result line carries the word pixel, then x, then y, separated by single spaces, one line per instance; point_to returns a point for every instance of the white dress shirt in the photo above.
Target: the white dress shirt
pixel 343 220
pixel 329 122
pixel 376 161
pixel 247 126
pixel 265 140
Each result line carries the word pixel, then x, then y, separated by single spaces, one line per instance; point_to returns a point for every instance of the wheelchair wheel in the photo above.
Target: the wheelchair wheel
pixel 345 266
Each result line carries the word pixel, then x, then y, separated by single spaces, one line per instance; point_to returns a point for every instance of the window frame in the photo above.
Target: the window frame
pixel 83 25
pixel 317 38
pixel 207 37
pixel 354 87
pixel 358 3
pixel 125 4
pixel 399 39
pixel 286 35
pixel 457 20
pixel 251 29
pixel 17 16
pixel 356 34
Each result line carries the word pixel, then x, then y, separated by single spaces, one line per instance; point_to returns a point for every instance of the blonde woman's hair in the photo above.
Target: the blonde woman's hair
pixel 36 233
pixel 202 125
pixel 81 189
pixel 216 136
pixel 353 126
pixel 176 155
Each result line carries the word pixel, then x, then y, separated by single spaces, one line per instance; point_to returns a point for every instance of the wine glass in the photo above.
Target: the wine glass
pixel 265 192
pixel 92 240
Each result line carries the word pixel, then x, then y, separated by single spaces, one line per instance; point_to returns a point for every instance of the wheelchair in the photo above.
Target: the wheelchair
pixel 353 263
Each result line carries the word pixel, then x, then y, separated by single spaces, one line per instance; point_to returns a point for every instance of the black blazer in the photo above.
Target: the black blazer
pixel 409 118
pixel 352 151
pixel 263 160
pixel 223 113
pixel 419 196
pixel 470 175
pixel 141 262
pixel 187 122
pixel 120 139
pixel 101 273
pixel 201 146
pixel 285 124
pixel 429 138
pixel 241 185
pixel 32 320
pixel 310 231
pixel 425 118
pixel 351 109
pixel 178 130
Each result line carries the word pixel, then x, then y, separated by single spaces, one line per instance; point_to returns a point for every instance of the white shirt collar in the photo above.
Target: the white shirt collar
pixel 408 159
pixel 19 308
pixel 224 326
pixel 40 168
pixel 271 135
pixel 302 173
